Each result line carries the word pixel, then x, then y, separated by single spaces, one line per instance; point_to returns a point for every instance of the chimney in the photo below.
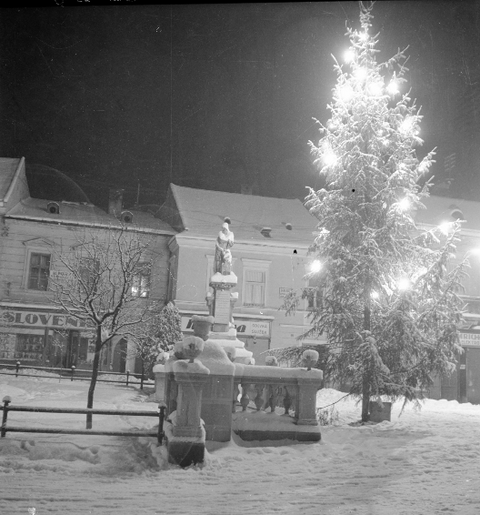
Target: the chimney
pixel 115 202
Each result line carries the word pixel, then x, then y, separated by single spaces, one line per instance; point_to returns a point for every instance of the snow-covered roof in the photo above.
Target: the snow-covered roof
pixel 446 209
pixel 202 213
pixel 83 214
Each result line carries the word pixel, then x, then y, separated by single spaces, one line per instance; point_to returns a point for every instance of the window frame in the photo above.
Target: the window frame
pixel 32 253
pixel 255 265
pixel 143 291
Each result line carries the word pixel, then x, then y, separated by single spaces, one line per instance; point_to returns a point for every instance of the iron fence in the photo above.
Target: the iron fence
pixel 74 374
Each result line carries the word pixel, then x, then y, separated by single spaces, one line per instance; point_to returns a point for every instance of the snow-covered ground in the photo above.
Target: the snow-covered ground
pixel 422 462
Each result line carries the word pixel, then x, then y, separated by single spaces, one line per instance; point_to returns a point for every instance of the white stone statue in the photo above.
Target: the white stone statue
pixel 223 256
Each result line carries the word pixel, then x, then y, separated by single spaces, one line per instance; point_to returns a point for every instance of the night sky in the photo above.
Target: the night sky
pixel 218 96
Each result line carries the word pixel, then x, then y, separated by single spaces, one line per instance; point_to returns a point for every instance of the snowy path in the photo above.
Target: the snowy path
pixel 425 462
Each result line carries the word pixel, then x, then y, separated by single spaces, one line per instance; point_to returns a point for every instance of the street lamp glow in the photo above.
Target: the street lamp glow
pixel 315 266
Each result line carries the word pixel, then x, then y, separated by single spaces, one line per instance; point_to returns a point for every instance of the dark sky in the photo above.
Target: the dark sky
pixel 217 95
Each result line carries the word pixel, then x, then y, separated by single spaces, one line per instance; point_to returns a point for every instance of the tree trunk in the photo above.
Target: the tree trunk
pixel 366 371
pixel 365 398
pixel 93 381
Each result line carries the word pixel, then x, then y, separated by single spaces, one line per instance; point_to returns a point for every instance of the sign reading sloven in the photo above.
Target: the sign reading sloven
pixel 34 318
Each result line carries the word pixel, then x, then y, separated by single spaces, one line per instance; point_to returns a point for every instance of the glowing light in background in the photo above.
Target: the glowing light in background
pixel 315 266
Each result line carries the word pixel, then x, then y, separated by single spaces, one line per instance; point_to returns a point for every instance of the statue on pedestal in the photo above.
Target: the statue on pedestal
pixel 223 256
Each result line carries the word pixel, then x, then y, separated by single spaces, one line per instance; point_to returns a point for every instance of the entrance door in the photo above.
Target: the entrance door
pixel 71 356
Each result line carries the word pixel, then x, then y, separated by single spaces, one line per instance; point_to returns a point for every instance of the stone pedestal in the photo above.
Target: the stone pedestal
pixel 159 373
pixel 185 434
pixel 307 394
pixel 218 392
pixel 223 300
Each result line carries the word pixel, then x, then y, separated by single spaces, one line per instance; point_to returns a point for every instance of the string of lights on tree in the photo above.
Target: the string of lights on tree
pixel 388 297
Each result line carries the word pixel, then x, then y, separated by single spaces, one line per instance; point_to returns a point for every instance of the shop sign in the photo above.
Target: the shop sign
pixel 469 339
pixel 284 291
pixel 243 327
pixel 36 319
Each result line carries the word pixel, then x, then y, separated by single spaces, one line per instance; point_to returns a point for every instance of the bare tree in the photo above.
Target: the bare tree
pixel 101 285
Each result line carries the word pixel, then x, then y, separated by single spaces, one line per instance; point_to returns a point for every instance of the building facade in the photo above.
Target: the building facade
pixel 33 329
pixel 269 258
pixel 464 384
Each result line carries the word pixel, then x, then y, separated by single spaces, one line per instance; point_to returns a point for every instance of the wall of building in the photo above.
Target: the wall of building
pixel 34 330
pixel 260 327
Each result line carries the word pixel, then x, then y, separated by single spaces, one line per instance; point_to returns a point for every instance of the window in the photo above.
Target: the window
pixel 141 281
pixel 39 271
pixel 314 292
pixel 254 282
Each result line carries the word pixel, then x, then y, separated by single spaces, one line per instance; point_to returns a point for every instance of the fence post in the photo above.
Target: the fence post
pixel 141 379
pixel 128 375
pixel 17 368
pixel 6 401
pixel 73 371
pixel 161 417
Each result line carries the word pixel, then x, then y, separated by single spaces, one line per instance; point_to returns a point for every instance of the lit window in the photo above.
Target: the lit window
pixel 141 281
pixel 39 271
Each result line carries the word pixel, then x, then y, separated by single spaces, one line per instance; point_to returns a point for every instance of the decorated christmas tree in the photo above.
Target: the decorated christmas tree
pixel 386 293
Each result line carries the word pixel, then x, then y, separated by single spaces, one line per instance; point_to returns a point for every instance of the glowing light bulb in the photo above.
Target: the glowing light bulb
pixel 363 36
pixel 392 88
pixel 361 73
pixel 404 204
pixel 445 227
pixel 406 127
pixel 403 284
pixel 329 158
pixel 349 56
pixel 315 266
pixel 345 92
pixel 375 88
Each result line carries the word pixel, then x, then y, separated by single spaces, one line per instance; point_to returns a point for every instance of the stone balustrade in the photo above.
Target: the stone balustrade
pixel 256 402
pixel 286 395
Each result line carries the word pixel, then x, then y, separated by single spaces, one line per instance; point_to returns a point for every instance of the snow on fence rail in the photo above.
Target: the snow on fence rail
pixel 71 372
pixel 6 408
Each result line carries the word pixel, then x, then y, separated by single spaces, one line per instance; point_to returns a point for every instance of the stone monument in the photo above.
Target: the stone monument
pixel 222 301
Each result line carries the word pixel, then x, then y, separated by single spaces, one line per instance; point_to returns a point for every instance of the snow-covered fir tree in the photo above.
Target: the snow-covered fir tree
pixel 386 295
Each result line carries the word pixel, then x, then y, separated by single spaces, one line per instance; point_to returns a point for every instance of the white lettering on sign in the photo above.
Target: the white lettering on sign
pixel 469 338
